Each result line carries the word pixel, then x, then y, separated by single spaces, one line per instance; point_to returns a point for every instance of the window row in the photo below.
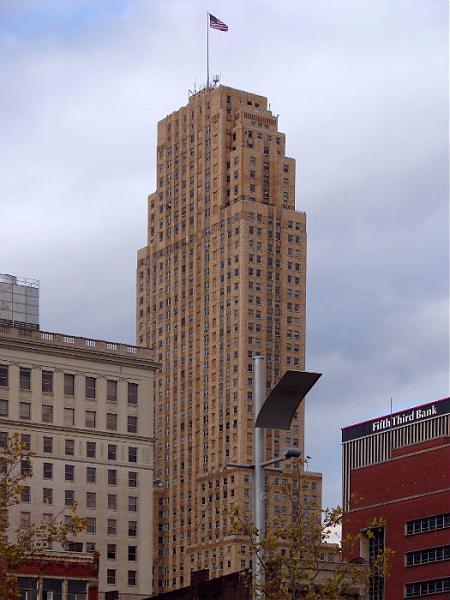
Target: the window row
pixel 91 474
pixel 419 589
pixel 90 384
pixel 428 524
pixel 428 555
pixel 90 416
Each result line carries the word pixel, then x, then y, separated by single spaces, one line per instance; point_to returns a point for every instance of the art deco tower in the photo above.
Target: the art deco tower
pixel 221 279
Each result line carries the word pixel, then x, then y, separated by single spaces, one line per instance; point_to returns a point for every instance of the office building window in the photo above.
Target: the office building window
pixel 47 470
pixel 111 526
pixel 91 474
pixel 47 382
pixel 112 452
pixel 69 447
pixel 90 547
pixel 90 418
pixel 132 393
pixel 91 449
pixel 419 589
pixel 25 410
pixel 132 454
pixel 91 499
pixel 47 444
pixel 25 379
pixel 112 502
pixel 69 384
pixel 69 472
pixel 47 496
pixel 426 556
pixel 428 524
pixel 47 413
pixel 111 421
pixel 132 577
pixel 132 528
pixel 25 496
pixel 132 553
pixel 112 477
pixel 3 407
pixel 4 379
pixel 91 525
pixel 111 576
pixel 111 390
pixel 69 497
pixel 132 503
pixel 132 424
pixel 90 387
pixel 69 417
pixel 25 439
pixel 111 552
pixel 132 479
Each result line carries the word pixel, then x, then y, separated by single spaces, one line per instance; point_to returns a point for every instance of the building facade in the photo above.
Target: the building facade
pixel 59 576
pixel 396 471
pixel 222 277
pixel 85 407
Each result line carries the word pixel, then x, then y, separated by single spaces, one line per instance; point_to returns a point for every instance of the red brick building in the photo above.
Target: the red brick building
pixel 59 576
pixel 397 468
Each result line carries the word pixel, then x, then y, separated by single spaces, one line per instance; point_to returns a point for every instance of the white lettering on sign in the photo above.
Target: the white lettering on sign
pixel 404 418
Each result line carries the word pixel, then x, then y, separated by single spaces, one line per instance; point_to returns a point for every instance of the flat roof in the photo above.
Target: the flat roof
pixel 396 419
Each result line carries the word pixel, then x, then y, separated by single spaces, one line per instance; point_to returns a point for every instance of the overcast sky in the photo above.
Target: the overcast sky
pixel 361 88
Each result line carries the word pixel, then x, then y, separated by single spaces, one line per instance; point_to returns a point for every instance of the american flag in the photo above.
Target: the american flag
pixel 216 23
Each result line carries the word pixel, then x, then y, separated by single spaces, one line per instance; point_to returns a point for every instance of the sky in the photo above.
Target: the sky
pixel 361 89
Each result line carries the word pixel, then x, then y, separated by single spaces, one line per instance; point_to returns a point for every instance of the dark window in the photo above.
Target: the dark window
pixel 132 577
pixel 47 382
pixel 69 472
pixel 69 447
pixel 90 387
pixel 111 552
pixel 91 449
pixel 25 496
pixel 3 408
pixel 47 444
pixel 111 390
pixel 132 553
pixel 91 474
pixel 25 379
pixel 132 393
pixel 132 479
pixel 47 470
pixel 111 525
pixel 69 384
pixel 25 438
pixel 376 579
pixel 69 497
pixel 112 477
pixel 111 576
pixel 3 376
pixel 132 454
pixel 132 424
pixel 132 528
pixel 47 496
pixel 112 452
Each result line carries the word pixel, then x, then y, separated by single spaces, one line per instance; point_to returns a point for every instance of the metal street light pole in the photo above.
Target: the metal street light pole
pixel 274 412
pixel 259 504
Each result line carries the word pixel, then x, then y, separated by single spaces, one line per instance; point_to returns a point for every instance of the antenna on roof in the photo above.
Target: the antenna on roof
pixel 391 405
pixel 216 80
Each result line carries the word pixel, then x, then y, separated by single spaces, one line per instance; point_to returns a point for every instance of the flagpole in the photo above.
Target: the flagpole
pixel 207 50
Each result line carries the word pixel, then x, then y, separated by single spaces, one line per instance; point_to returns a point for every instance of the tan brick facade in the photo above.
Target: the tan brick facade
pixel 222 278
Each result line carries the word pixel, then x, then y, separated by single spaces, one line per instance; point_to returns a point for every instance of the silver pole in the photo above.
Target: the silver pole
pixel 259 517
